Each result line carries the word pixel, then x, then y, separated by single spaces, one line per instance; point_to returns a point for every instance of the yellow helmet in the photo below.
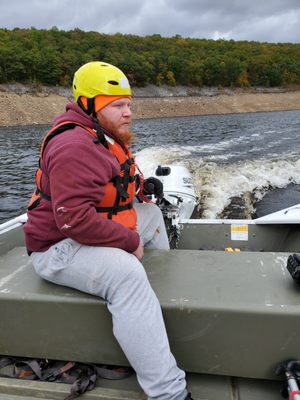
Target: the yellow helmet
pixel 99 78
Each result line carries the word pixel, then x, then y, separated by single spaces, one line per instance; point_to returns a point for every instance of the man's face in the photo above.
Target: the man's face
pixel 116 118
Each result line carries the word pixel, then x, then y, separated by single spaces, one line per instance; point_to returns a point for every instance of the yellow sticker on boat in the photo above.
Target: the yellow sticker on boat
pixel 239 232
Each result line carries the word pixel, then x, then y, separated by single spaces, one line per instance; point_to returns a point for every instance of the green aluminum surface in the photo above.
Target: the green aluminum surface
pixel 234 314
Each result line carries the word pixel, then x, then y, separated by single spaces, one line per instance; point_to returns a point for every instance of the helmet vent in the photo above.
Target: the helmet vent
pixel 113 83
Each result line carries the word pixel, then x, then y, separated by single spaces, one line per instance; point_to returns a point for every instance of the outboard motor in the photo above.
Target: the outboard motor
pixel 179 194
pixel 179 198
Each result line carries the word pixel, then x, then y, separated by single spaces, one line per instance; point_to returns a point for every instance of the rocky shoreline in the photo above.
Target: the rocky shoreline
pixel 22 105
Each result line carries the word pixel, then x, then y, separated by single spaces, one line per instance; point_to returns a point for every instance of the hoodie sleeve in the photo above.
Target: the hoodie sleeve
pixel 78 171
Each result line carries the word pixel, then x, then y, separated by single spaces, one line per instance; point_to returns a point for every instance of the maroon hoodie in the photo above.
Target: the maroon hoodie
pixel 75 172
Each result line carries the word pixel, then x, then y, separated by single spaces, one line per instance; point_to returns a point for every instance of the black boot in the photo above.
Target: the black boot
pixel 188 397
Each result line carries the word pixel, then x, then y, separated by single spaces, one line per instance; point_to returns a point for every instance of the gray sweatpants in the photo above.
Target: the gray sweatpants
pixel 120 279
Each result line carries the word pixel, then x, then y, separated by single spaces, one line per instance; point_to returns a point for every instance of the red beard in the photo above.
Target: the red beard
pixel 121 134
pixel 126 137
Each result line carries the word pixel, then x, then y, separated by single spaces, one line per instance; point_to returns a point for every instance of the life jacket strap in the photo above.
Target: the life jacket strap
pixel 118 183
pixel 127 168
pixel 100 134
pixel 114 210
pixel 43 195
pixel 121 182
pixel 55 132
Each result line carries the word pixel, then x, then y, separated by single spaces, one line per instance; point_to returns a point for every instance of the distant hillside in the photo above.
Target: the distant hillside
pixel 50 57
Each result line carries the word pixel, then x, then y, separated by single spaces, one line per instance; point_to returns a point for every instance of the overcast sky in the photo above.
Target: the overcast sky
pixel 260 20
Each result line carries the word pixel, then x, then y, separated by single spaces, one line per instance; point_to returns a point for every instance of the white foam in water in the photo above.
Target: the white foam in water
pixel 216 183
pixel 149 158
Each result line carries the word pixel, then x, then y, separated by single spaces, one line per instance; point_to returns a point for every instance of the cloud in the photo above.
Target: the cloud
pixel 268 20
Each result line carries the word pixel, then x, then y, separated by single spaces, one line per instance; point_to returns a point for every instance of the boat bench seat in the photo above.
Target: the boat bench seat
pixel 233 314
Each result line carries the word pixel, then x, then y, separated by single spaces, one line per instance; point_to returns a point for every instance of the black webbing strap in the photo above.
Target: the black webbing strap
pixel 121 182
pixel 114 209
pixel 58 369
pixel 126 166
pixel 13 367
pixel 43 195
pixel 85 382
pixel 118 182
pixel 81 376
pixel 100 134
pixel 113 373
pixel 5 362
pixel 100 139
pixel 57 131
pixel 121 185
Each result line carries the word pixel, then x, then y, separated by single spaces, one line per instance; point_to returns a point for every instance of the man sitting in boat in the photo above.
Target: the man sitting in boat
pixel 85 231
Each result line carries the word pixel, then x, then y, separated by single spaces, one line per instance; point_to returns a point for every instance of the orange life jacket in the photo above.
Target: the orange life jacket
pixel 117 202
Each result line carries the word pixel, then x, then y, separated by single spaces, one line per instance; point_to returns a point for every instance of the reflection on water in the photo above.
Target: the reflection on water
pixel 228 155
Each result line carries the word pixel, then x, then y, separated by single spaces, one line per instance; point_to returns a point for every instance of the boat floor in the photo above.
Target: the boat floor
pixel 202 387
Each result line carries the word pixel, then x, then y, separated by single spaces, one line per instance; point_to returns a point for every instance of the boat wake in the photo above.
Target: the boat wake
pixel 226 189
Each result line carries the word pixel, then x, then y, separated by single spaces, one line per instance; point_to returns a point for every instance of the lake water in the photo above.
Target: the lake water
pixel 242 164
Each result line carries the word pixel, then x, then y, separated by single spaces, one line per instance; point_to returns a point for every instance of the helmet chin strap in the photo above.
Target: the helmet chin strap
pixel 90 109
pixel 100 134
